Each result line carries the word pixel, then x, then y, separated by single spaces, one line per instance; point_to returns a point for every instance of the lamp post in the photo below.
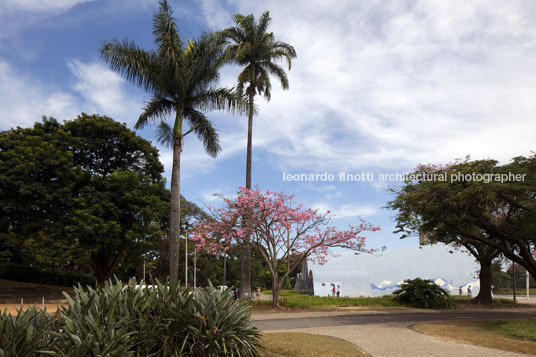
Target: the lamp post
pixel 514 276
pixel 527 282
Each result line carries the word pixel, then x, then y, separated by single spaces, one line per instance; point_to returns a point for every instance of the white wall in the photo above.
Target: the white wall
pixel 368 275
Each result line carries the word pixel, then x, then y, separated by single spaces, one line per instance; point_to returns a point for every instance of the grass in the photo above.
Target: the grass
pixel 294 344
pixel 292 299
pixel 519 329
pixel 465 302
pixel 519 291
pixel 509 335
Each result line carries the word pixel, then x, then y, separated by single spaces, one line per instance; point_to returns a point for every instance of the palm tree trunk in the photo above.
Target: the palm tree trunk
pixel 245 266
pixel 175 211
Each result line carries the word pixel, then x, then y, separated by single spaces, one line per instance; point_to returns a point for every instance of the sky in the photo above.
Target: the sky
pixel 377 87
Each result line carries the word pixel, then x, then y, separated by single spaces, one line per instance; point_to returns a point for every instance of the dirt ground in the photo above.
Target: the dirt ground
pixel 12 292
pixel 13 308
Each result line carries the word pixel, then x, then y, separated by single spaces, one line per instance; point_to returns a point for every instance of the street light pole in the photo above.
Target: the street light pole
pixel 514 275
pixel 527 283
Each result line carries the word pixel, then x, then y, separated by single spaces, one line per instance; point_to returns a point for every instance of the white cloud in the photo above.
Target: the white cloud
pixel 25 99
pixel 39 5
pixel 216 14
pixel 390 85
pixel 104 91
pixel 349 210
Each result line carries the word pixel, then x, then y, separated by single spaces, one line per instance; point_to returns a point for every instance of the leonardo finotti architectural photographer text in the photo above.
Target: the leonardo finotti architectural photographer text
pixel 370 176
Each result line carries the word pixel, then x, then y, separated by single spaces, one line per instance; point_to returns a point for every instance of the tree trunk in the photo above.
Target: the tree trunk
pixel 102 267
pixel 245 264
pixel 175 211
pixel 275 292
pixel 484 295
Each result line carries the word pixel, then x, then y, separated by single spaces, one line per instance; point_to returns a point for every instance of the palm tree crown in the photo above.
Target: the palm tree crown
pixel 182 78
pixel 249 45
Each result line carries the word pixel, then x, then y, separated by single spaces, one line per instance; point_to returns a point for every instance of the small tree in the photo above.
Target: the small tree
pixel 278 227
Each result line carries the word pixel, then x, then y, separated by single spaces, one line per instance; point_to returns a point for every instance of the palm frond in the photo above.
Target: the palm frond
pixel 250 45
pixel 131 62
pixel 204 130
pixel 277 71
pixel 221 99
pixel 157 108
pixel 263 84
pixel 167 36
pixel 264 22
pixel 164 134
pixel 283 49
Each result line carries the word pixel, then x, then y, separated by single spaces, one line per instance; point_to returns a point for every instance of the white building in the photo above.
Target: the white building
pixel 377 275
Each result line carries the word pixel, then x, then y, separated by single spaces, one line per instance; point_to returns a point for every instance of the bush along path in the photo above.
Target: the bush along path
pixel 119 320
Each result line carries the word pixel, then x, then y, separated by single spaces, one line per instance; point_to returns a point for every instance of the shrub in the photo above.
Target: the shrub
pixel 422 293
pixel 28 334
pixel 19 272
pixel 115 320
pixel 95 323
pixel 163 321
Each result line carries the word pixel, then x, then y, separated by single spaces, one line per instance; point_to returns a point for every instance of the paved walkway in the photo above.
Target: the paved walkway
pixel 386 332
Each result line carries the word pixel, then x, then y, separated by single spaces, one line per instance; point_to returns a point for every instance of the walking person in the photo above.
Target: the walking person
pixel 461 291
pixel 469 291
pixel 338 291
pixel 333 289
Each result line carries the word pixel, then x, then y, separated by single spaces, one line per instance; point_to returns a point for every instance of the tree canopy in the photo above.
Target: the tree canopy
pixel 478 204
pixel 85 192
pixel 277 228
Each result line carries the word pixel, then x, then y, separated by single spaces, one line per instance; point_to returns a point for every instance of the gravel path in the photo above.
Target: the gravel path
pixel 390 338
pixel 395 339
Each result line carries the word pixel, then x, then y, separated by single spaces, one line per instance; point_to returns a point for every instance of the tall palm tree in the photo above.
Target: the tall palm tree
pixel 251 46
pixel 182 78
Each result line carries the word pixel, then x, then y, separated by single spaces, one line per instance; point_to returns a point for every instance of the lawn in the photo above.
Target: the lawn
pixel 509 335
pixel 519 329
pixel 292 299
pixel 294 344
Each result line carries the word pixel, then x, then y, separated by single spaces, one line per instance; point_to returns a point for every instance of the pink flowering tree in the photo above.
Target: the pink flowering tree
pixel 278 228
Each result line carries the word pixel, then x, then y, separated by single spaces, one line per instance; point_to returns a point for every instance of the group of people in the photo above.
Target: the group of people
pixel 469 293
pixel 335 290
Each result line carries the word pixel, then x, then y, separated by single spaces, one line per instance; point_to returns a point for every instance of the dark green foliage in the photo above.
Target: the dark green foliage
pixel 422 293
pixel 493 206
pixel 36 181
pixel 79 196
pixel 27 334
pixel 119 320
pixel 24 273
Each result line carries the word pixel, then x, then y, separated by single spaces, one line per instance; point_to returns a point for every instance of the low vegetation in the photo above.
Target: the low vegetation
pixel 519 329
pixel 292 299
pixel 124 321
pixel 423 294
pixel 295 344
pixel 511 335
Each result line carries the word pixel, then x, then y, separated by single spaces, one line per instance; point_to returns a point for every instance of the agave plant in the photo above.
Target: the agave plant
pixel 95 323
pixel 29 333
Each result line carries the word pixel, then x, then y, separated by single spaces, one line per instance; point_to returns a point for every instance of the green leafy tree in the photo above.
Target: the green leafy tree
pixel 87 193
pixel 492 213
pixel 36 184
pixel 250 45
pixel 120 194
pixel 182 78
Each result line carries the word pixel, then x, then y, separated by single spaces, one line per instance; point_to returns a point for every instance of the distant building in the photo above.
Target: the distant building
pixel 371 275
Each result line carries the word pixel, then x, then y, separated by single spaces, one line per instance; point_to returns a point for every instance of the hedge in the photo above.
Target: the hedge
pixel 19 272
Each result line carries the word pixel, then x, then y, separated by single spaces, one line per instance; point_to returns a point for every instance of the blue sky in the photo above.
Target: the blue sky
pixel 377 86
